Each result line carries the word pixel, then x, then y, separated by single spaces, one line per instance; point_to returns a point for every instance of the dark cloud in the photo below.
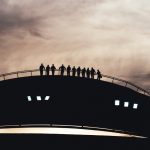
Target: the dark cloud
pixel 13 19
pixel 100 33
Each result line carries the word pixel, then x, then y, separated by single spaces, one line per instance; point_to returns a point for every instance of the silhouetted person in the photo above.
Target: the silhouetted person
pixel 92 72
pixel 68 70
pixel 53 68
pixel 62 69
pixel 99 76
pixel 78 71
pixel 88 73
pixel 41 68
pixel 74 71
pixel 47 70
pixel 83 72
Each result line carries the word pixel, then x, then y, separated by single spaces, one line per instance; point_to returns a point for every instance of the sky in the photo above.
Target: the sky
pixel 110 35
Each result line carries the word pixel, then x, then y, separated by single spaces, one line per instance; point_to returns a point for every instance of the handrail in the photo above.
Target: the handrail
pixel 138 89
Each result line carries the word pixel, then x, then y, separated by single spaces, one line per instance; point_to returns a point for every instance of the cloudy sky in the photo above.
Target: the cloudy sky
pixel 113 35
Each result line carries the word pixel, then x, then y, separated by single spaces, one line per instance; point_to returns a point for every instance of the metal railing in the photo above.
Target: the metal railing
pixel 113 79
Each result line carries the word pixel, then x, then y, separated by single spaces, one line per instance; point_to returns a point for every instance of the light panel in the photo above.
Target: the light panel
pixel 39 98
pixel 126 104
pixel 29 98
pixel 117 102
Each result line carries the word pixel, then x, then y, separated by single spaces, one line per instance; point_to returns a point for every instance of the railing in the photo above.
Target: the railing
pixel 113 79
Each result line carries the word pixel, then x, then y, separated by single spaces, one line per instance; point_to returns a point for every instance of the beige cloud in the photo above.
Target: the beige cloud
pixel 110 35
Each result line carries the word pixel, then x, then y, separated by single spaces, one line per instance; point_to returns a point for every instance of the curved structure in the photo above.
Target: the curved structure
pixel 73 106
pixel 34 72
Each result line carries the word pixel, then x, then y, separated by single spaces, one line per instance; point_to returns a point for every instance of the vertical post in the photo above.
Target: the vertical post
pixel 17 75
pixel 126 84
pixel 31 73
pixel 113 80
pixel 4 77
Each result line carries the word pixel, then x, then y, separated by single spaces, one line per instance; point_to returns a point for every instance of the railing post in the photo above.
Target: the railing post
pixel 4 77
pixel 113 80
pixel 17 75
pixel 126 84
pixel 31 73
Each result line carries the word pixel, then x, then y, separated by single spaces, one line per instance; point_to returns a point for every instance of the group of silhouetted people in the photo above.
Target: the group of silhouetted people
pixel 89 73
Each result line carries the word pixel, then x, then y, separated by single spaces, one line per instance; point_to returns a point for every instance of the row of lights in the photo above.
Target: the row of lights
pixel 117 102
pixel 126 104
pixel 38 98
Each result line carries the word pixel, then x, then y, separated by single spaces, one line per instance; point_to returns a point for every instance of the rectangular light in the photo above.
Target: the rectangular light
pixel 39 98
pixel 117 102
pixel 126 104
pixel 135 106
pixel 29 98
pixel 47 98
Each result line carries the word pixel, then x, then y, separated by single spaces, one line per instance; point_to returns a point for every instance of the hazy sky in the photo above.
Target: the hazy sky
pixel 113 35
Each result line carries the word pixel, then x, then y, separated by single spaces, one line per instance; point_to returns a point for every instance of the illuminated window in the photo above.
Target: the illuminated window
pixel 126 104
pixel 135 106
pixel 29 98
pixel 47 98
pixel 39 98
pixel 117 102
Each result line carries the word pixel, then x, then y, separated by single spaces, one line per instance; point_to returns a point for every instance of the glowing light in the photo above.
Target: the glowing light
pixel 39 98
pixel 47 98
pixel 29 98
pixel 117 102
pixel 135 106
pixel 126 104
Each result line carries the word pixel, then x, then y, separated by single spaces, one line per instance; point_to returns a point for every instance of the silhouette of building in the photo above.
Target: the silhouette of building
pixel 106 112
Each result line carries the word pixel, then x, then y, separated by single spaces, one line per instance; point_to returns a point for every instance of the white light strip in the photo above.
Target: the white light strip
pixel 47 98
pixel 135 106
pixel 64 131
pixel 29 98
pixel 126 104
pixel 117 102
pixel 39 98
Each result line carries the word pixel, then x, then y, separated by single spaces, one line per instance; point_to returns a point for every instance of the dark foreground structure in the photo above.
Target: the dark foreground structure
pixel 61 102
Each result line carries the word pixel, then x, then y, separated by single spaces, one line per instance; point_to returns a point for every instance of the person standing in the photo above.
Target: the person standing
pixel 47 70
pixel 83 72
pixel 53 68
pixel 88 73
pixel 41 68
pixel 68 70
pixel 92 72
pixel 62 69
pixel 74 71
pixel 78 71
pixel 99 76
